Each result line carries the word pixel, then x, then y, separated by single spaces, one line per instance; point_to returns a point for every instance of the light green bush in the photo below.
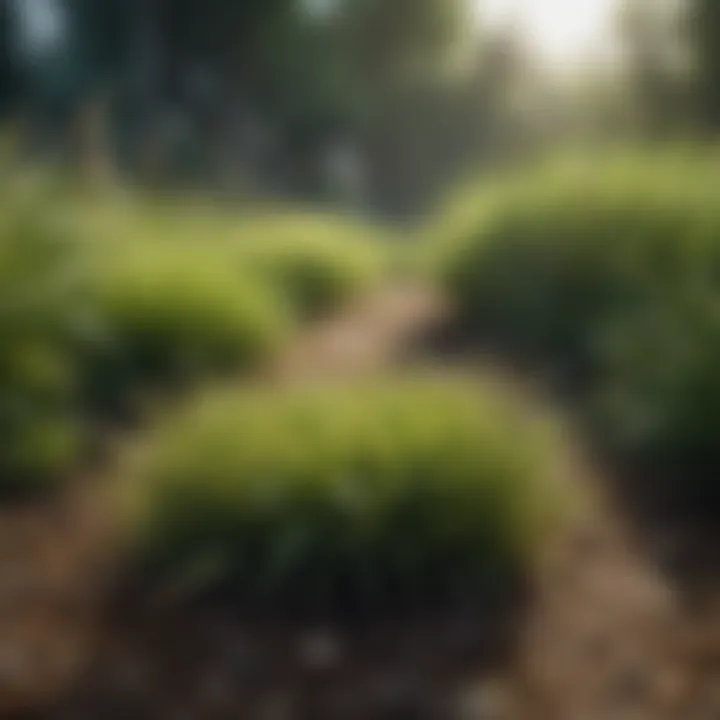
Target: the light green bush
pixel 105 299
pixel 316 263
pixel 344 497
pixel 319 264
pixel 174 314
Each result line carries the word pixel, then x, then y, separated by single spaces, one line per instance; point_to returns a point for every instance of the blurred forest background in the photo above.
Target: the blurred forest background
pixel 377 105
pixel 160 419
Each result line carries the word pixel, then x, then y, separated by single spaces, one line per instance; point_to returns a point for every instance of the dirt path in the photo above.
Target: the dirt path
pixel 368 337
pixel 604 637
pixel 612 636
pixel 51 570
pixel 607 636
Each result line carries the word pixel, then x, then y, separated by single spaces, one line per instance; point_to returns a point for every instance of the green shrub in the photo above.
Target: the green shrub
pixel 658 405
pixel 44 327
pixel 102 301
pixel 554 258
pixel 346 497
pixel 610 273
pixel 175 315
pixel 39 425
pixel 318 264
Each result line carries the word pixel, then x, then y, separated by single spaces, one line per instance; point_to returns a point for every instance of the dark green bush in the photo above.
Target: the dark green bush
pixel 346 497
pixel 610 274
pixel 43 329
pixel 554 258
pixel 658 404
pixel 39 425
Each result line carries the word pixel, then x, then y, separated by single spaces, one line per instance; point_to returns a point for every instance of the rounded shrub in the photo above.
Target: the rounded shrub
pixel 610 273
pixel 319 264
pixel 174 315
pixel 344 498
pixel 555 256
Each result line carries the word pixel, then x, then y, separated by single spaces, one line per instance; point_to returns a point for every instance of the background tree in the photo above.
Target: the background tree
pixel 658 66
pixel 703 26
pixel 254 95
pixel 9 85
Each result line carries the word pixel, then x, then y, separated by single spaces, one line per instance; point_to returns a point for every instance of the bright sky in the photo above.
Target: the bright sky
pixel 561 30
pixel 42 23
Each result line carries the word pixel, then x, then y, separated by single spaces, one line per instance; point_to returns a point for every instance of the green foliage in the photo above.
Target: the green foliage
pixel 703 22
pixel 609 273
pixel 658 404
pixel 317 263
pixel 43 326
pixel 189 290
pixel 554 257
pixel 37 422
pixel 103 304
pixel 395 41
pixel 174 314
pixel 411 491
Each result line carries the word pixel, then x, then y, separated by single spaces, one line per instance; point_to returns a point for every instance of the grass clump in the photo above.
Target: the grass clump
pixel 345 497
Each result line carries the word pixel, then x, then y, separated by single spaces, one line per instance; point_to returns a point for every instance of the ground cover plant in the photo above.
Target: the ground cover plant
pixel 319 264
pixel 607 273
pixel 556 255
pixel 45 324
pixel 346 497
pixel 106 300
pixel 174 316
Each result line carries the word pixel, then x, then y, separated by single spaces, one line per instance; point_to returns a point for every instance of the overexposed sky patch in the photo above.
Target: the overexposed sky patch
pixel 42 25
pixel 562 31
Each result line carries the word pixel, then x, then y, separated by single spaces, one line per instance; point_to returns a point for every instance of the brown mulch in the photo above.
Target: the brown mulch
pixel 606 636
